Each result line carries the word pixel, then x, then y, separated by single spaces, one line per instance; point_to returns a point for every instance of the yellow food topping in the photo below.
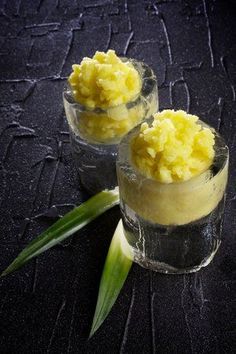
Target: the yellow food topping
pixel 104 81
pixel 174 148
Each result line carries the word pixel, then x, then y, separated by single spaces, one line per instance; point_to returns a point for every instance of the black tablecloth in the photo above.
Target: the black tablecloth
pixel 47 307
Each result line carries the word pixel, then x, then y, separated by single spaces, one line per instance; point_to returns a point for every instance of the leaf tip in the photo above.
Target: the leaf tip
pixel 4 273
pixel 92 331
pixel 90 334
pixel 7 271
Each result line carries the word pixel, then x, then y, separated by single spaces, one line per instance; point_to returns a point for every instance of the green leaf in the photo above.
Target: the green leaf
pixel 66 226
pixel 116 269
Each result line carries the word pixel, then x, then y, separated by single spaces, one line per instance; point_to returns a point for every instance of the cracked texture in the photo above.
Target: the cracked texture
pixel 47 306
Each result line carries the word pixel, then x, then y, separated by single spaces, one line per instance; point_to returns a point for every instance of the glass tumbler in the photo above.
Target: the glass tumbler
pixel 96 133
pixel 176 227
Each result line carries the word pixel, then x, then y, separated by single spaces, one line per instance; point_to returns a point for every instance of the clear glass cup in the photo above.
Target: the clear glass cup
pixel 176 227
pixel 96 133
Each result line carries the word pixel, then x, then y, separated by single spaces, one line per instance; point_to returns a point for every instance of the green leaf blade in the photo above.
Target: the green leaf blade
pixel 66 226
pixel 116 269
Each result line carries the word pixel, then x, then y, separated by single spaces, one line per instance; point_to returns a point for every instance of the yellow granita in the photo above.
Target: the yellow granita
pixel 104 81
pixel 174 148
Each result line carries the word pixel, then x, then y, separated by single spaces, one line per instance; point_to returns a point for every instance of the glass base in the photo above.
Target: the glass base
pixel 175 249
pixel 161 267
pixel 95 163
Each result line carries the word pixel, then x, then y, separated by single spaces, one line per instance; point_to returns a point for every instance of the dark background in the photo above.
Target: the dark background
pixel 47 307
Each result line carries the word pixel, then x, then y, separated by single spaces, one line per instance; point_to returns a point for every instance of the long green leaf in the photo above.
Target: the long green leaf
pixel 66 226
pixel 116 269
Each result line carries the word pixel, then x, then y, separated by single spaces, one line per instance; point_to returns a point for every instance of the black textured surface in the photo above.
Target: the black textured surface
pixel 47 306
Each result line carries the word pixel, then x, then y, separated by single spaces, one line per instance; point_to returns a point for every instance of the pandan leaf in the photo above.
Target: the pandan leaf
pixel 116 269
pixel 66 226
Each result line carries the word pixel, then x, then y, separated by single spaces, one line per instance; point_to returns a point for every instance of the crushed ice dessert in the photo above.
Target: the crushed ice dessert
pixel 109 89
pixel 174 148
pixel 104 81
pixel 172 173
pixel 105 98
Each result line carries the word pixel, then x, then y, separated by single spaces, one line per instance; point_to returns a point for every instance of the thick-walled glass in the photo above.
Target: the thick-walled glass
pixel 176 227
pixel 96 133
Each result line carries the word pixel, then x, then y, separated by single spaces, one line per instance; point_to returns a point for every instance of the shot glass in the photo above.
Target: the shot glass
pixel 96 133
pixel 176 227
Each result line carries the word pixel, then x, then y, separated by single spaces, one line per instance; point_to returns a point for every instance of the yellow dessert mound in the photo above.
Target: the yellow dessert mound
pixel 104 81
pixel 104 85
pixel 174 148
